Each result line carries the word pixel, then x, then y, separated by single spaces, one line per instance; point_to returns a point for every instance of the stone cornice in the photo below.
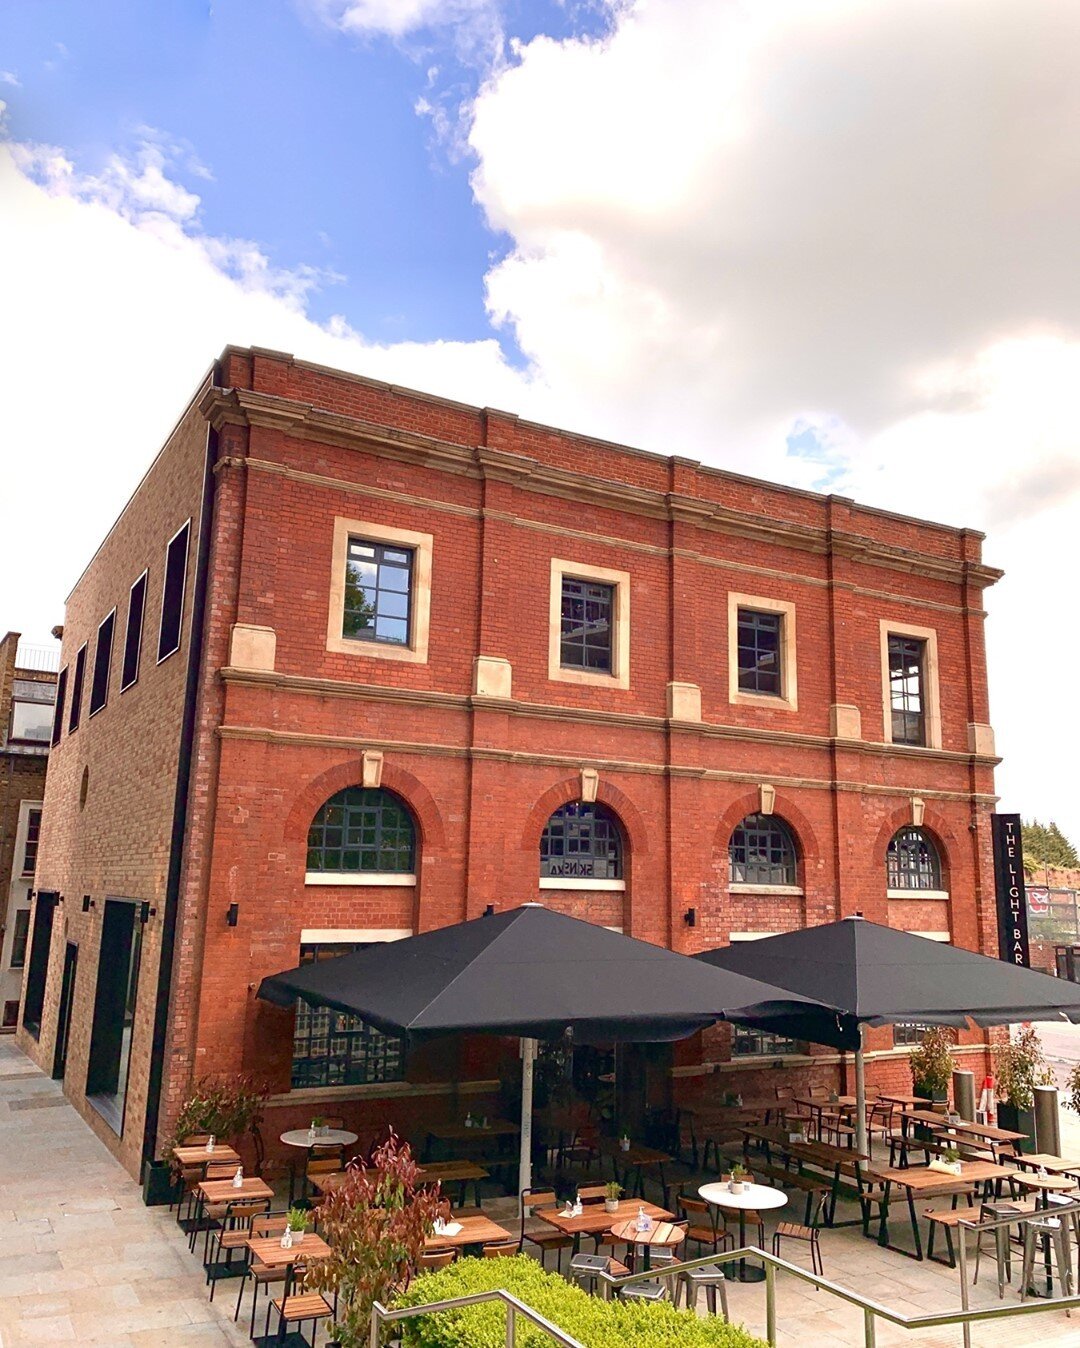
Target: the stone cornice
pixel 590 715
pixel 291 417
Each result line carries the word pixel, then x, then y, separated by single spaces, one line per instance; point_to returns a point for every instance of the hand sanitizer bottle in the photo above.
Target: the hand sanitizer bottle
pixel 210 1142
pixel 238 1178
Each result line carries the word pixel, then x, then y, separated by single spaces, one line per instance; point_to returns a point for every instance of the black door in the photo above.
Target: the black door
pixel 67 996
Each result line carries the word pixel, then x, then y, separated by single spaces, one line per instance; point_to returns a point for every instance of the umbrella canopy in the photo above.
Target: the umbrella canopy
pixel 874 975
pixel 532 973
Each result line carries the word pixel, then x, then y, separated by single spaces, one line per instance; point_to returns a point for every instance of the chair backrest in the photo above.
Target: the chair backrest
pixel 537 1198
pixel 784 1093
pixel 269 1224
pixel 435 1259
pixel 241 1211
pixel 817 1207
pixel 592 1193
pixel 688 1204
pixel 218 1171
pixel 818 1093
pixel 335 1123
pixel 499 1249
pixel 195 1140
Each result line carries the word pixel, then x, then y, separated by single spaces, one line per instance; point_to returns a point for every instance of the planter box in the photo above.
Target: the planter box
pixel 159 1186
pixel 1018 1121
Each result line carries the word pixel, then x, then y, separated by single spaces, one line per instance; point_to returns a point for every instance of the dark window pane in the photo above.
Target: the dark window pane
pixel 912 861
pixel 582 841
pixel 33 833
pixel 58 710
pixel 172 599
pixel 762 852
pixel 378 593
pixel 749 1042
pixel 133 636
pixel 19 936
pixel 759 649
pixel 76 689
pixel 907 660
pixel 587 626
pixel 334 1049
pixel 99 684
pixel 377 818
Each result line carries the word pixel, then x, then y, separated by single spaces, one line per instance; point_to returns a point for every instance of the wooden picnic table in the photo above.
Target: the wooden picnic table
pixel 187 1156
pixel 268 1250
pixel 628 1167
pixel 824 1155
pixel 458 1132
pixel 905 1102
pixel 919 1180
pixel 1057 1165
pixel 474 1231
pixel 595 1219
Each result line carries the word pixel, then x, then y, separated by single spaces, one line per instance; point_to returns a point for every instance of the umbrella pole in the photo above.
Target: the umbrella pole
pixel 860 1098
pixel 528 1057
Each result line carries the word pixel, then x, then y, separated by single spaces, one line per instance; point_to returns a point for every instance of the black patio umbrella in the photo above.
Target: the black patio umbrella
pixel 532 973
pixel 867 974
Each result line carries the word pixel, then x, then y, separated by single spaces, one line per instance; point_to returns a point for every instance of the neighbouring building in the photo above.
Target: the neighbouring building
pixel 27 694
pixel 356 662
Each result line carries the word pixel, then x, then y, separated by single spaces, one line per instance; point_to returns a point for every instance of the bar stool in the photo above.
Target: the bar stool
pixel 1001 1238
pixel 710 1278
pixel 1054 1229
pixel 644 1291
pixel 584 1269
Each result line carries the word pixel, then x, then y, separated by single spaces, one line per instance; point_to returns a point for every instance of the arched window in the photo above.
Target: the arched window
pixel 912 861
pixel 762 851
pixel 361 829
pixel 582 841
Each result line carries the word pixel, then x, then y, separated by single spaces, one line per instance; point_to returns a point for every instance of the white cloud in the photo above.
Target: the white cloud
pixel 9 77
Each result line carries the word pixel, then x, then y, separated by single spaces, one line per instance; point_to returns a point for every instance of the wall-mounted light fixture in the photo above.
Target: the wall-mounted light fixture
pixel 232 917
pixel 87 903
pixel 690 917
pixel 146 913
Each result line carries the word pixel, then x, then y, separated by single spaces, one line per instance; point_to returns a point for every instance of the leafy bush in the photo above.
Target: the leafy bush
pixel 932 1063
pixel 227 1106
pixel 590 1319
pixel 1020 1066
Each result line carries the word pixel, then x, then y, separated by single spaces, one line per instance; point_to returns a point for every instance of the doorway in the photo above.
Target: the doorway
pixel 67 997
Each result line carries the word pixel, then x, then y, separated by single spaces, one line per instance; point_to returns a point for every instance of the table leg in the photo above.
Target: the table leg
pixel 747 1272
pixel 915 1225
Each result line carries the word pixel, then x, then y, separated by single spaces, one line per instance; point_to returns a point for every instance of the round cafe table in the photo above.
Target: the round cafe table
pixel 754 1198
pixel 301 1137
pixel 661 1234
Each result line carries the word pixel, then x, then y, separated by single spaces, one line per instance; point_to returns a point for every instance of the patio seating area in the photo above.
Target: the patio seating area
pixel 92 1264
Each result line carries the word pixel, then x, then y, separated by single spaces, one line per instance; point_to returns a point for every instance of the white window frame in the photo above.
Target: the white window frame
pixel 931 692
pixel 620 637
pixel 145 576
pixel 421 546
pixel 789 676
pixel 92 710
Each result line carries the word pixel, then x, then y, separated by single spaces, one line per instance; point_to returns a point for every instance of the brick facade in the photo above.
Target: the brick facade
pixel 478 739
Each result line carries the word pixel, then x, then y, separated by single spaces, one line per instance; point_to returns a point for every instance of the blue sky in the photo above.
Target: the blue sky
pixel 825 242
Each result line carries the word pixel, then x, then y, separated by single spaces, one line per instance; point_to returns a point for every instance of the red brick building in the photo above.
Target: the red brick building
pixel 356 662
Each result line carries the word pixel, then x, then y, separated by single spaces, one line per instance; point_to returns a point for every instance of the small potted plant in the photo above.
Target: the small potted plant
pixel 318 1126
pixel 296 1223
pixel 1019 1066
pixel 624 1141
pixel 738 1180
pixel 612 1194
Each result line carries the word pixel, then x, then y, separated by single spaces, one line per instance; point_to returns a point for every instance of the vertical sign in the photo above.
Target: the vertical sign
pixel 1011 900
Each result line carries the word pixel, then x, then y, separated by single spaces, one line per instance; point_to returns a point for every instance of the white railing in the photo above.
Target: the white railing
pixel 41 659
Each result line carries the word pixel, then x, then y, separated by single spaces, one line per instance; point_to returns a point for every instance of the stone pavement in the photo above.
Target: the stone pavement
pixel 85 1262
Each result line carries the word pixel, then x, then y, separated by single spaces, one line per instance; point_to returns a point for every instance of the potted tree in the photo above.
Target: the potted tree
pixel 1020 1066
pixel 931 1063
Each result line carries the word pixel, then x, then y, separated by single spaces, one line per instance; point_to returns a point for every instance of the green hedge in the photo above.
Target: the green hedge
pixel 591 1320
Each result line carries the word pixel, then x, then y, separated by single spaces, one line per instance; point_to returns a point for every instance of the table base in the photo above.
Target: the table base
pixel 231 1268
pixel 749 1272
pixel 290 1340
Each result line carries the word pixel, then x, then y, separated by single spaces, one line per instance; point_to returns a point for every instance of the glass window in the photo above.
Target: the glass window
pixel 587 608
pixel 583 842
pixel 58 710
pixel 99 684
pixel 908 1034
pixel 331 1048
pixel 912 861
pixel 33 832
pixel 19 936
pixel 378 593
pixel 76 689
pixel 762 852
pixel 362 830
pixel 172 594
pixel 746 1041
pixel 31 722
pixel 133 635
pixel 759 652
pixel 907 661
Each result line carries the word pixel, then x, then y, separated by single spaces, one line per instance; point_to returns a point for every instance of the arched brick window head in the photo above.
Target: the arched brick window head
pixel 361 829
pixel 582 841
pixel 912 861
pixel 762 852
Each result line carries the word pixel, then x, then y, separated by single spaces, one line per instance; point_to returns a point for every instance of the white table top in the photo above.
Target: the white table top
pixel 756 1196
pixel 333 1137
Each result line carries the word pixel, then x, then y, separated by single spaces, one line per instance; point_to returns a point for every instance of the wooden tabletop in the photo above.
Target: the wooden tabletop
pixel 904 1101
pixel 457 1132
pixel 926 1116
pixel 450 1171
pixel 1047 1161
pixel 1056 1184
pixel 267 1250
pixel 474 1231
pixel 200 1156
pixel 224 1191
pixel 663 1234
pixel 986 1130
pixel 595 1217
pixel 824 1152
pixel 637 1153
pixel 919 1177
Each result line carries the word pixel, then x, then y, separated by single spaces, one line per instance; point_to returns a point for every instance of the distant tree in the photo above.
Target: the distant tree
pixel 1062 851
pixel 1047 846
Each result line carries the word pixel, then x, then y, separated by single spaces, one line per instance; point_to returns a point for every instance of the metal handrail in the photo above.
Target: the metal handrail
pixel 380 1315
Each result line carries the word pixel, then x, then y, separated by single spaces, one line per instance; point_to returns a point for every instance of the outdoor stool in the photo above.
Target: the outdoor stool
pixel 585 1267
pixel 644 1291
pixel 1052 1227
pixel 1001 1237
pixel 709 1277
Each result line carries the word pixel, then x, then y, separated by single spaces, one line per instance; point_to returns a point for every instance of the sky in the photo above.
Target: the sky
pixel 832 243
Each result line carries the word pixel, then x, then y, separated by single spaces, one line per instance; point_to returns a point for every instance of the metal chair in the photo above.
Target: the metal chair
pixel 809 1234
pixel 1053 1229
pixel 261 1275
pixel 710 1278
pixel 543 1240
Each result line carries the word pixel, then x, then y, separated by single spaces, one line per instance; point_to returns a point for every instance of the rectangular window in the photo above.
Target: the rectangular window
pixel 907 694
pixel 172 594
pixel 76 689
pixel 748 1042
pixel 19 936
pixel 331 1048
pixel 33 832
pixel 58 710
pixel 760 652
pixel 587 628
pixel 38 972
pixel 99 684
pixel 10 1016
pixel 378 589
pixel 133 636
pixel 32 711
pixel 908 1034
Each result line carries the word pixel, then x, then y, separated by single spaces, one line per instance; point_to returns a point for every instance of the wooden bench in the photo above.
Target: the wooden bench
pixel 790 1179
pixel 947 1219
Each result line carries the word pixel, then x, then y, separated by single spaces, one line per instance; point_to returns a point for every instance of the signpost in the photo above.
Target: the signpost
pixel 1012 914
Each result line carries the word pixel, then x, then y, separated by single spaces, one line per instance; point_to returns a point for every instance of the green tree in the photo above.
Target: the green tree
pixel 1047 845
pixel 1062 851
